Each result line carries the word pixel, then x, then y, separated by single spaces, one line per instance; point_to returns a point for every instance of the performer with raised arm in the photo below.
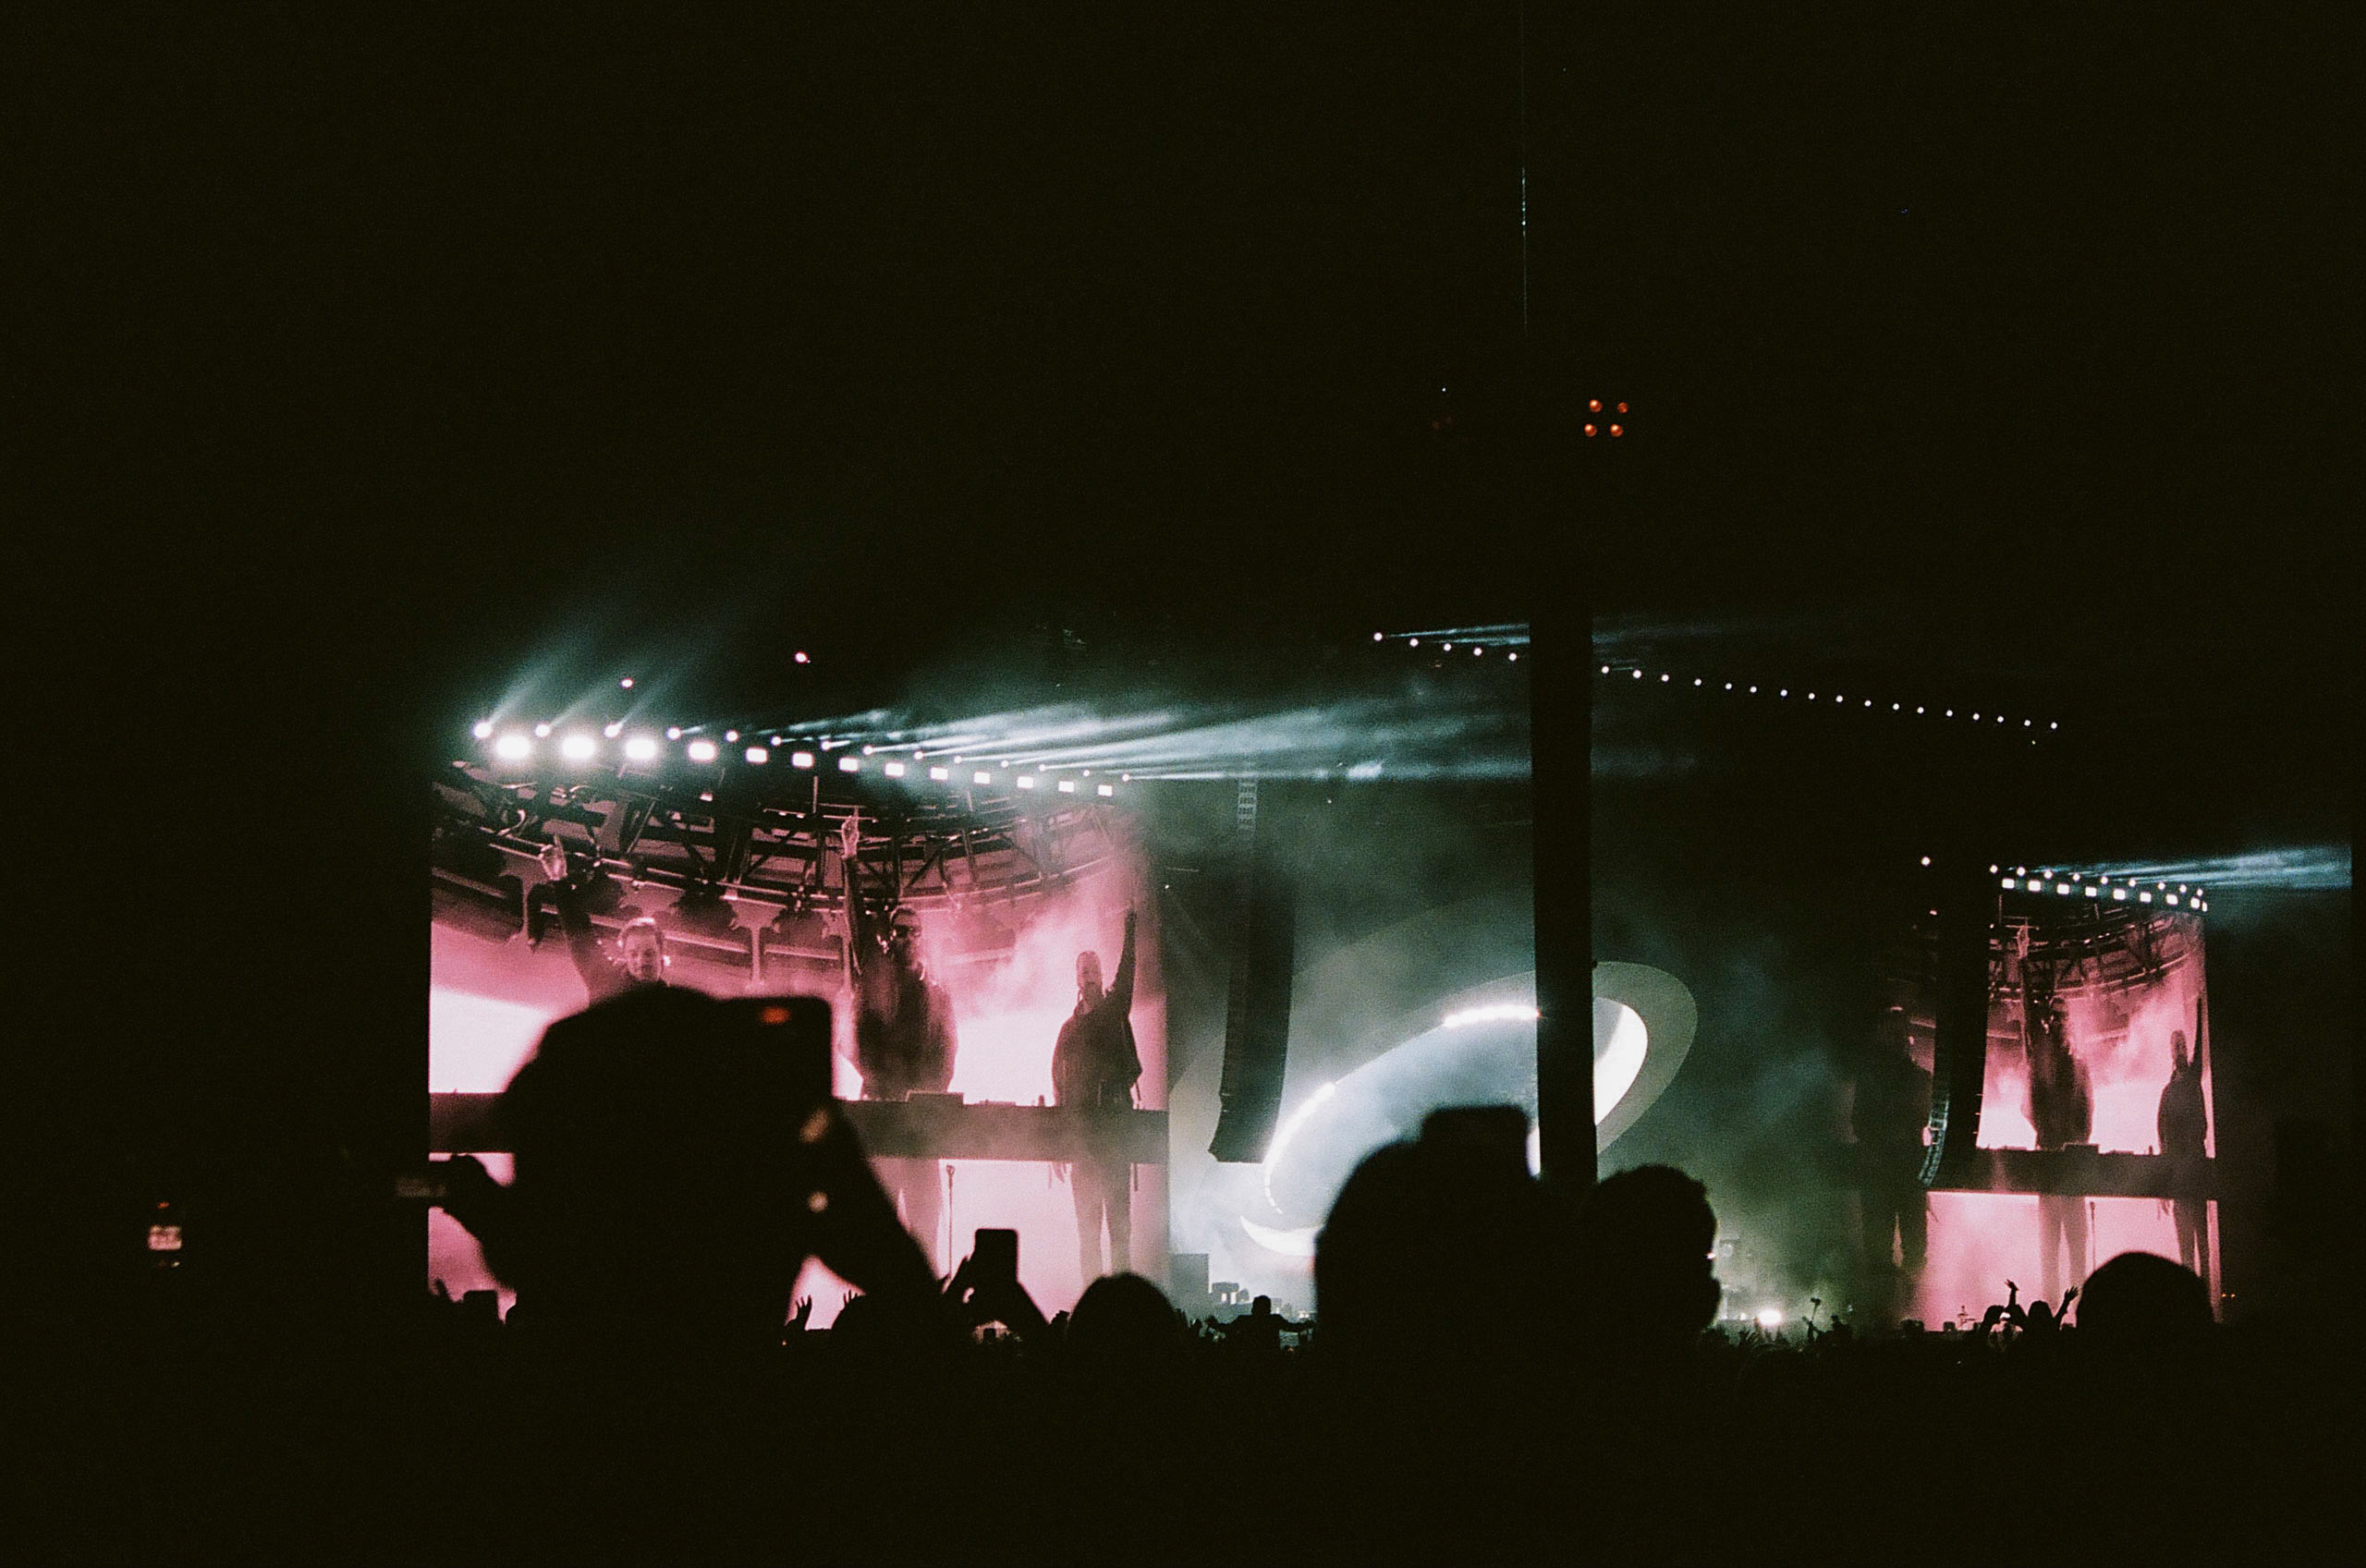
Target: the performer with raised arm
pixel 640 946
pixel 904 1036
pixel 2183 1123
pixel 1095 1064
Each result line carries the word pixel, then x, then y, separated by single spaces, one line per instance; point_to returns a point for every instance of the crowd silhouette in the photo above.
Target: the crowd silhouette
pixel 668 1399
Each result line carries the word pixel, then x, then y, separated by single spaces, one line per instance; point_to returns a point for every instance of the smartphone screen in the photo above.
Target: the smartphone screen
pixel 994 1254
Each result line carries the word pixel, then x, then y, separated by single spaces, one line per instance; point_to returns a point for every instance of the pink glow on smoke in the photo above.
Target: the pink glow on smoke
pixel 1981 1239
pixel 2127 1067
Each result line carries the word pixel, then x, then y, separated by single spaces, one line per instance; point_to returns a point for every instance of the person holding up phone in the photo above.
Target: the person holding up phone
pixel 1096 1064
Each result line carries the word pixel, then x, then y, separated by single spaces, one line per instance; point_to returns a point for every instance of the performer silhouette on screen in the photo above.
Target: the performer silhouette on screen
pixel 1095 1064
pixel 2062 1111
pixel 2185 1131
pixel 904 1041
pixel 640 946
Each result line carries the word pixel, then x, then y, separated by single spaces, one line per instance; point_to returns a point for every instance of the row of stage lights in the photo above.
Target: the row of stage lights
pixel 581 747
pixel 2102 887
pixel 1839 699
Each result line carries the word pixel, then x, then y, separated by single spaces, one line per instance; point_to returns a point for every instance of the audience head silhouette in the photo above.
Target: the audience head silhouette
pixel 1644 1237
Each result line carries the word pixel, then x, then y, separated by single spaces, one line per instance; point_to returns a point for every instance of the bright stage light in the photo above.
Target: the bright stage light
pixel 895 770
pixel 1446 647
pixel 1412 642
pixel 483 729
pixel 802 658
pixel 2172 898
pixel 541 732
pixel 1926 860
pixel 1696 680
pixel 1513 657
pixel 703 750
pixel 578 747
pixel 800 759
pixel 1477 651
pixel 2143 898
pixel 1771 1319
pixel 513 747
pixel 626 683
pixel 1975 718
pixel 673 732
pixel 2056 725
pixel 731 735
pixel 1104 789
pixel 1662 679
pixel 849 764
pixel 940 774
pixel 612 731
pixel 1068 786
pixel 981 777
pixel 2009 882
pixel 1918 710
pixel 1618 430
pixel 1027 781
pixel 2093 893
pixel 640 748
pixel 758 755
pixel 2119 896
pixel 1500 1012
pixel 1638 675
pixel 1605 669
pixel 1377 637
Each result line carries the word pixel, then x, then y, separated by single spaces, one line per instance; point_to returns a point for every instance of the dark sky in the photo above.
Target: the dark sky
pixel 658 313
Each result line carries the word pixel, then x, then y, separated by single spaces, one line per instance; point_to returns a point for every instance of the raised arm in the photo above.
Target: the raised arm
pixel 858 933
pixel 1121 988
pixel 592 965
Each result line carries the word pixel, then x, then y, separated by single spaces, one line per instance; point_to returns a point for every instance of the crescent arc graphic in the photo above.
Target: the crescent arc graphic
pixel 1476 1046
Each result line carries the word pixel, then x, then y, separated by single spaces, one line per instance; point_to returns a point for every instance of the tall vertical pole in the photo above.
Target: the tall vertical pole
pixel 1561 717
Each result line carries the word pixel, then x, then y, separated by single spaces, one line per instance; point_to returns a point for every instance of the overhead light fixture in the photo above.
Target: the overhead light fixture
pixel 1027 781
pixel 731 735
pixel 483 729
pixel 626 683
pixel 640 748
pixel 981 776
pixel 673 732
pixel 849 764
pixel 1068 786
pixel 701 750
pixel 895 770
pixel 1104 789
pixel 760 755
pixel 513 747
pixel 541 732
pixel 578 747
pixel 940 774
pixel 800 759
pixel 802 658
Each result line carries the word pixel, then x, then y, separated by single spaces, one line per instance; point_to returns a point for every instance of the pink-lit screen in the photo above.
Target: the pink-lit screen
pixel 491 998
